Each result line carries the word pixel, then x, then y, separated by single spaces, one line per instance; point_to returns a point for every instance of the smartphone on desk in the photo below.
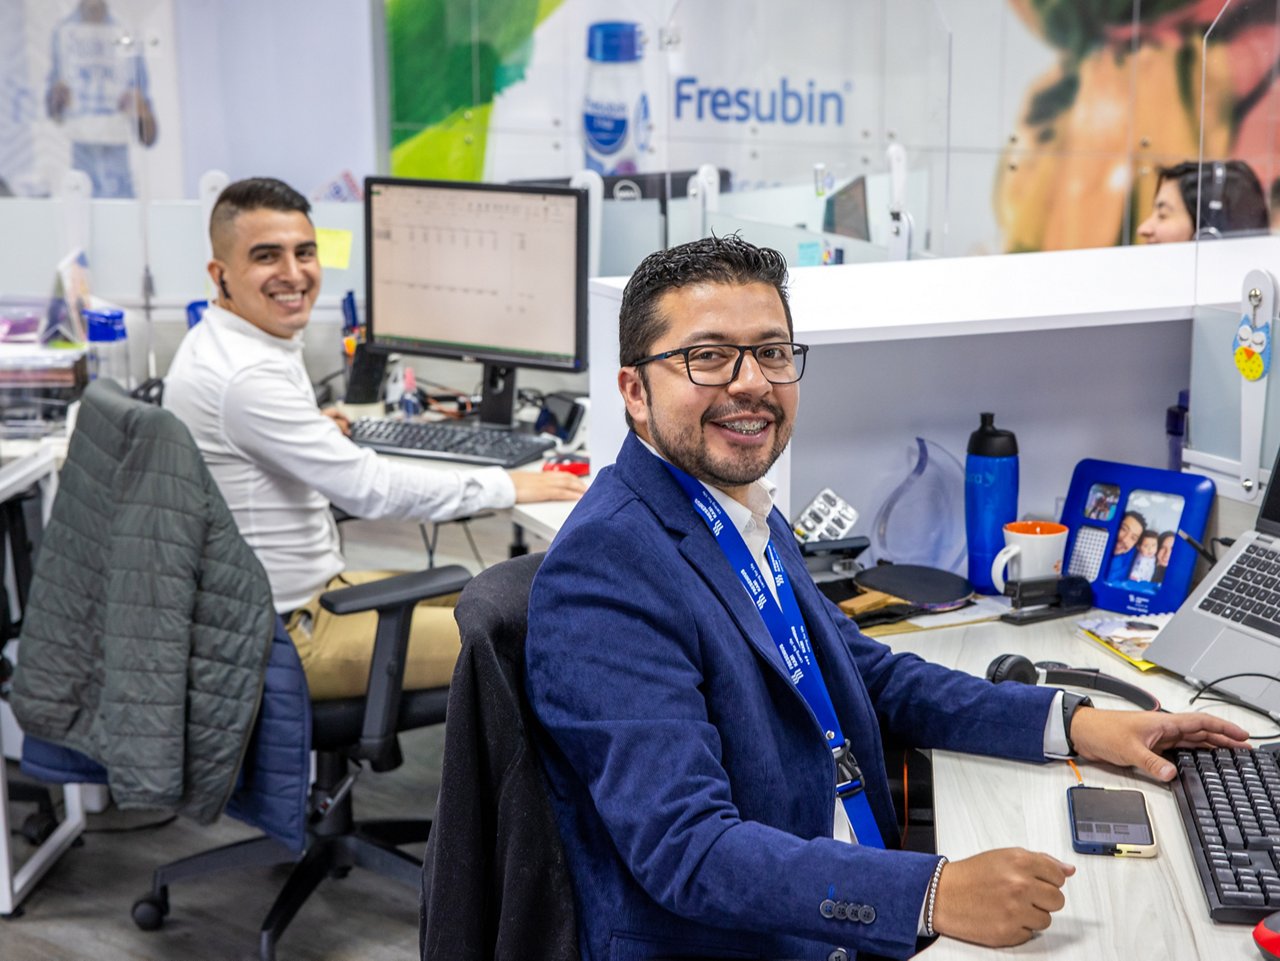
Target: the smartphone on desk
pixel 1111 821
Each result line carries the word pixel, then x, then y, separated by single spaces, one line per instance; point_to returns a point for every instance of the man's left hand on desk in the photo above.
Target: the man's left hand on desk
pixel 546 486
pixel 1136 738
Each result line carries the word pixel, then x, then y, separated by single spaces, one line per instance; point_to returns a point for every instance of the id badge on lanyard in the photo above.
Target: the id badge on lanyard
pixel 786 627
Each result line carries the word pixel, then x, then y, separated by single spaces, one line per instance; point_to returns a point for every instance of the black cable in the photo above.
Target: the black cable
pixel 1198 547
pixel 1208 685
pixel 328 377
pixel 1206 688
pixel 163 822
pixel 1231 703
pixel 59 808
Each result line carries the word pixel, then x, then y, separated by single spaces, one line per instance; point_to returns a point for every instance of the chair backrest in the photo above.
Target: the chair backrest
pixel 495 879
pixel 142 573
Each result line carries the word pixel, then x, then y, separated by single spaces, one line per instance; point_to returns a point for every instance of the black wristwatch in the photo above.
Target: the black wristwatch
pixel 1070 704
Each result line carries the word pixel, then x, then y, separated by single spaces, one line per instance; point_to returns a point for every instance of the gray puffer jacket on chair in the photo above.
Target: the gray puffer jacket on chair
pixel 149 622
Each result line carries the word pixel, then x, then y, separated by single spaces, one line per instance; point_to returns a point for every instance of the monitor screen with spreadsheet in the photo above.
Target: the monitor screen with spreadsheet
pixel 492 273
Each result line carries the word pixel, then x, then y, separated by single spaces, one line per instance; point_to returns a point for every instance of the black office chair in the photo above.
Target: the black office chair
pixel 344 733
pixel 107 465
pixel 495 883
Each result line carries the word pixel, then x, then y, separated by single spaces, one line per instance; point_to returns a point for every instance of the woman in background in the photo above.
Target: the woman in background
pixel 1227 192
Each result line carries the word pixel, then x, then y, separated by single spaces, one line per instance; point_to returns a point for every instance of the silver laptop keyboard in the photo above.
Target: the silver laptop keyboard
pixel 1249 592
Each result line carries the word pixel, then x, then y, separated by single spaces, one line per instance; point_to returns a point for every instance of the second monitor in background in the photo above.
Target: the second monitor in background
pixel 845 212
pixel 472 271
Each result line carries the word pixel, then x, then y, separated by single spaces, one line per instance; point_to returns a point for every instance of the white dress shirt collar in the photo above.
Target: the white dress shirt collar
pixel 230 320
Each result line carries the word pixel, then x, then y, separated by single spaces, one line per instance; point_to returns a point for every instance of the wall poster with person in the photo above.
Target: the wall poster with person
pixel 89 85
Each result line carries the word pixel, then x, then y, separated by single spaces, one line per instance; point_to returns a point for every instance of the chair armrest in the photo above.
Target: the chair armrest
pixel 394 599
pixel 396 591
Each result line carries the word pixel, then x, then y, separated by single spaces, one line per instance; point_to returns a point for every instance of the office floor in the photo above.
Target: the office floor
pixel 81 909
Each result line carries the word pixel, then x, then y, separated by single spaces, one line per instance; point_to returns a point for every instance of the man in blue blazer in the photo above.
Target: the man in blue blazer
pixel 693 703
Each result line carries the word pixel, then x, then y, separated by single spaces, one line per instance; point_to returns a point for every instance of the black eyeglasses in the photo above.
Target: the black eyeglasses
pixel 718 365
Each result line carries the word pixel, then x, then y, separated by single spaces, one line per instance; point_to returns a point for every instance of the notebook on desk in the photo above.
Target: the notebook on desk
pixel 1230 624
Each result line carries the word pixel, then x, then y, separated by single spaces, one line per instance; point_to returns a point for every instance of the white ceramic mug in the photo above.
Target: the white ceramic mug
pixel 1031 549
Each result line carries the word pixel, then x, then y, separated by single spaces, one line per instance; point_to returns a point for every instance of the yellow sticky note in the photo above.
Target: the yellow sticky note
pixel 334 247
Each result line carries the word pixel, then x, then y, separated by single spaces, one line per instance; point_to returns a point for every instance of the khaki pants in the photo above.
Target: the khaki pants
pixel 336 651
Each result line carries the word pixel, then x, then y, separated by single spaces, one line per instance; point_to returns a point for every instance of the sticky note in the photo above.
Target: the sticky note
pixel 334 247
pixel 808 254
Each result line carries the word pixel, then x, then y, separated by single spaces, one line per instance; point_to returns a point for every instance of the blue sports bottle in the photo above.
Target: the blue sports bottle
pixel 990 497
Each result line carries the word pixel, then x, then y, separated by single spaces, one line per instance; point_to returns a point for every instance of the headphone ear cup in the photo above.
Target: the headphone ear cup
pixel 1012 667
pixel 1212 203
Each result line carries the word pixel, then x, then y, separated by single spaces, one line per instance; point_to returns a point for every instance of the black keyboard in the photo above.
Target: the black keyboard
pixel 1228 802
pixel 444 440
pixel 1248 592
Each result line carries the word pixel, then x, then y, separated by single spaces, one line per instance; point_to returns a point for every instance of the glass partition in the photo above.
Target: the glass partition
pixel 1023 125
pixel 791 124
pixel 1224 199
pixel 783 133
pixel 89 85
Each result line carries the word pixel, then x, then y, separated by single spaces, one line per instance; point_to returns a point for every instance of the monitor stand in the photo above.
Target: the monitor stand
pixel 498 396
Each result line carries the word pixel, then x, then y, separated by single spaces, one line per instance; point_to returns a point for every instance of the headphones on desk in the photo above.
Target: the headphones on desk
pixel 1015 667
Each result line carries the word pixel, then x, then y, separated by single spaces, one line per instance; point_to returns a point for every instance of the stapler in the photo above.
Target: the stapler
pixel 1046 598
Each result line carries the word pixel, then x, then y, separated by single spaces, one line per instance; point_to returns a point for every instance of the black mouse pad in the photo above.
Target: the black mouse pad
pixel 839 590
pixel 925 587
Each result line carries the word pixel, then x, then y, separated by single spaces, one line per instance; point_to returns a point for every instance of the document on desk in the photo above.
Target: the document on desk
pixel 1125 637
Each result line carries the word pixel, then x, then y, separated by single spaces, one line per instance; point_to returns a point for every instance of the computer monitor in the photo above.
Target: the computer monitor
pixel 475 271
pixel 846 211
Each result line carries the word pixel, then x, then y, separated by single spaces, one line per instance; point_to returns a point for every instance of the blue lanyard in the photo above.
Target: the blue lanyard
pixel 786 626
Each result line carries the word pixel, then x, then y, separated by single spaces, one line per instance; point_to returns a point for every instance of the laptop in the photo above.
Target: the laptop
pixel 1230 624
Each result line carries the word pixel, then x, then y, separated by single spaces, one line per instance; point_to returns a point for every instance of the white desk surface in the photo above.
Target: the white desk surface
pixel 1128 909
pixel 543 518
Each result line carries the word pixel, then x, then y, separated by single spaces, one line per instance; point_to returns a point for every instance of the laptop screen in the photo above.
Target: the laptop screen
pixel 1269 516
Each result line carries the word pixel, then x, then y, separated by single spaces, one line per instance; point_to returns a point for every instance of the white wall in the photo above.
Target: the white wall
pixel 283 88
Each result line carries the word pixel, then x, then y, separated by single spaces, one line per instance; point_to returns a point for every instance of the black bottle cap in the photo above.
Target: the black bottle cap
pixel 990 441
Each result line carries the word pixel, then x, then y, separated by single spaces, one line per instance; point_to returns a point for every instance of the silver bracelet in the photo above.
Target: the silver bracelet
pixel 933 896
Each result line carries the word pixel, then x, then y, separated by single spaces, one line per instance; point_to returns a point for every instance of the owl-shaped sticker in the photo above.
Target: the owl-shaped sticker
pixel 1252 348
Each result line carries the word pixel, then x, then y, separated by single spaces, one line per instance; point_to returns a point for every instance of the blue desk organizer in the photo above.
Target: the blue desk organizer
pixel 1102 495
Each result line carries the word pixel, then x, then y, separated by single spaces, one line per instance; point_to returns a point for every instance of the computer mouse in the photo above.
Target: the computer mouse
pixel 569 463
pixel 1266 935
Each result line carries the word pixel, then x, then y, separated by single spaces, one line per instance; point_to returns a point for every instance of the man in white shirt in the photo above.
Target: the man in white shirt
pixel 239 384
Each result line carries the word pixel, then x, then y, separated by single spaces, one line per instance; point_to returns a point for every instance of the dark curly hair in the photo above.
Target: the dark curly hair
pixel 1240 197
pixel 711 260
